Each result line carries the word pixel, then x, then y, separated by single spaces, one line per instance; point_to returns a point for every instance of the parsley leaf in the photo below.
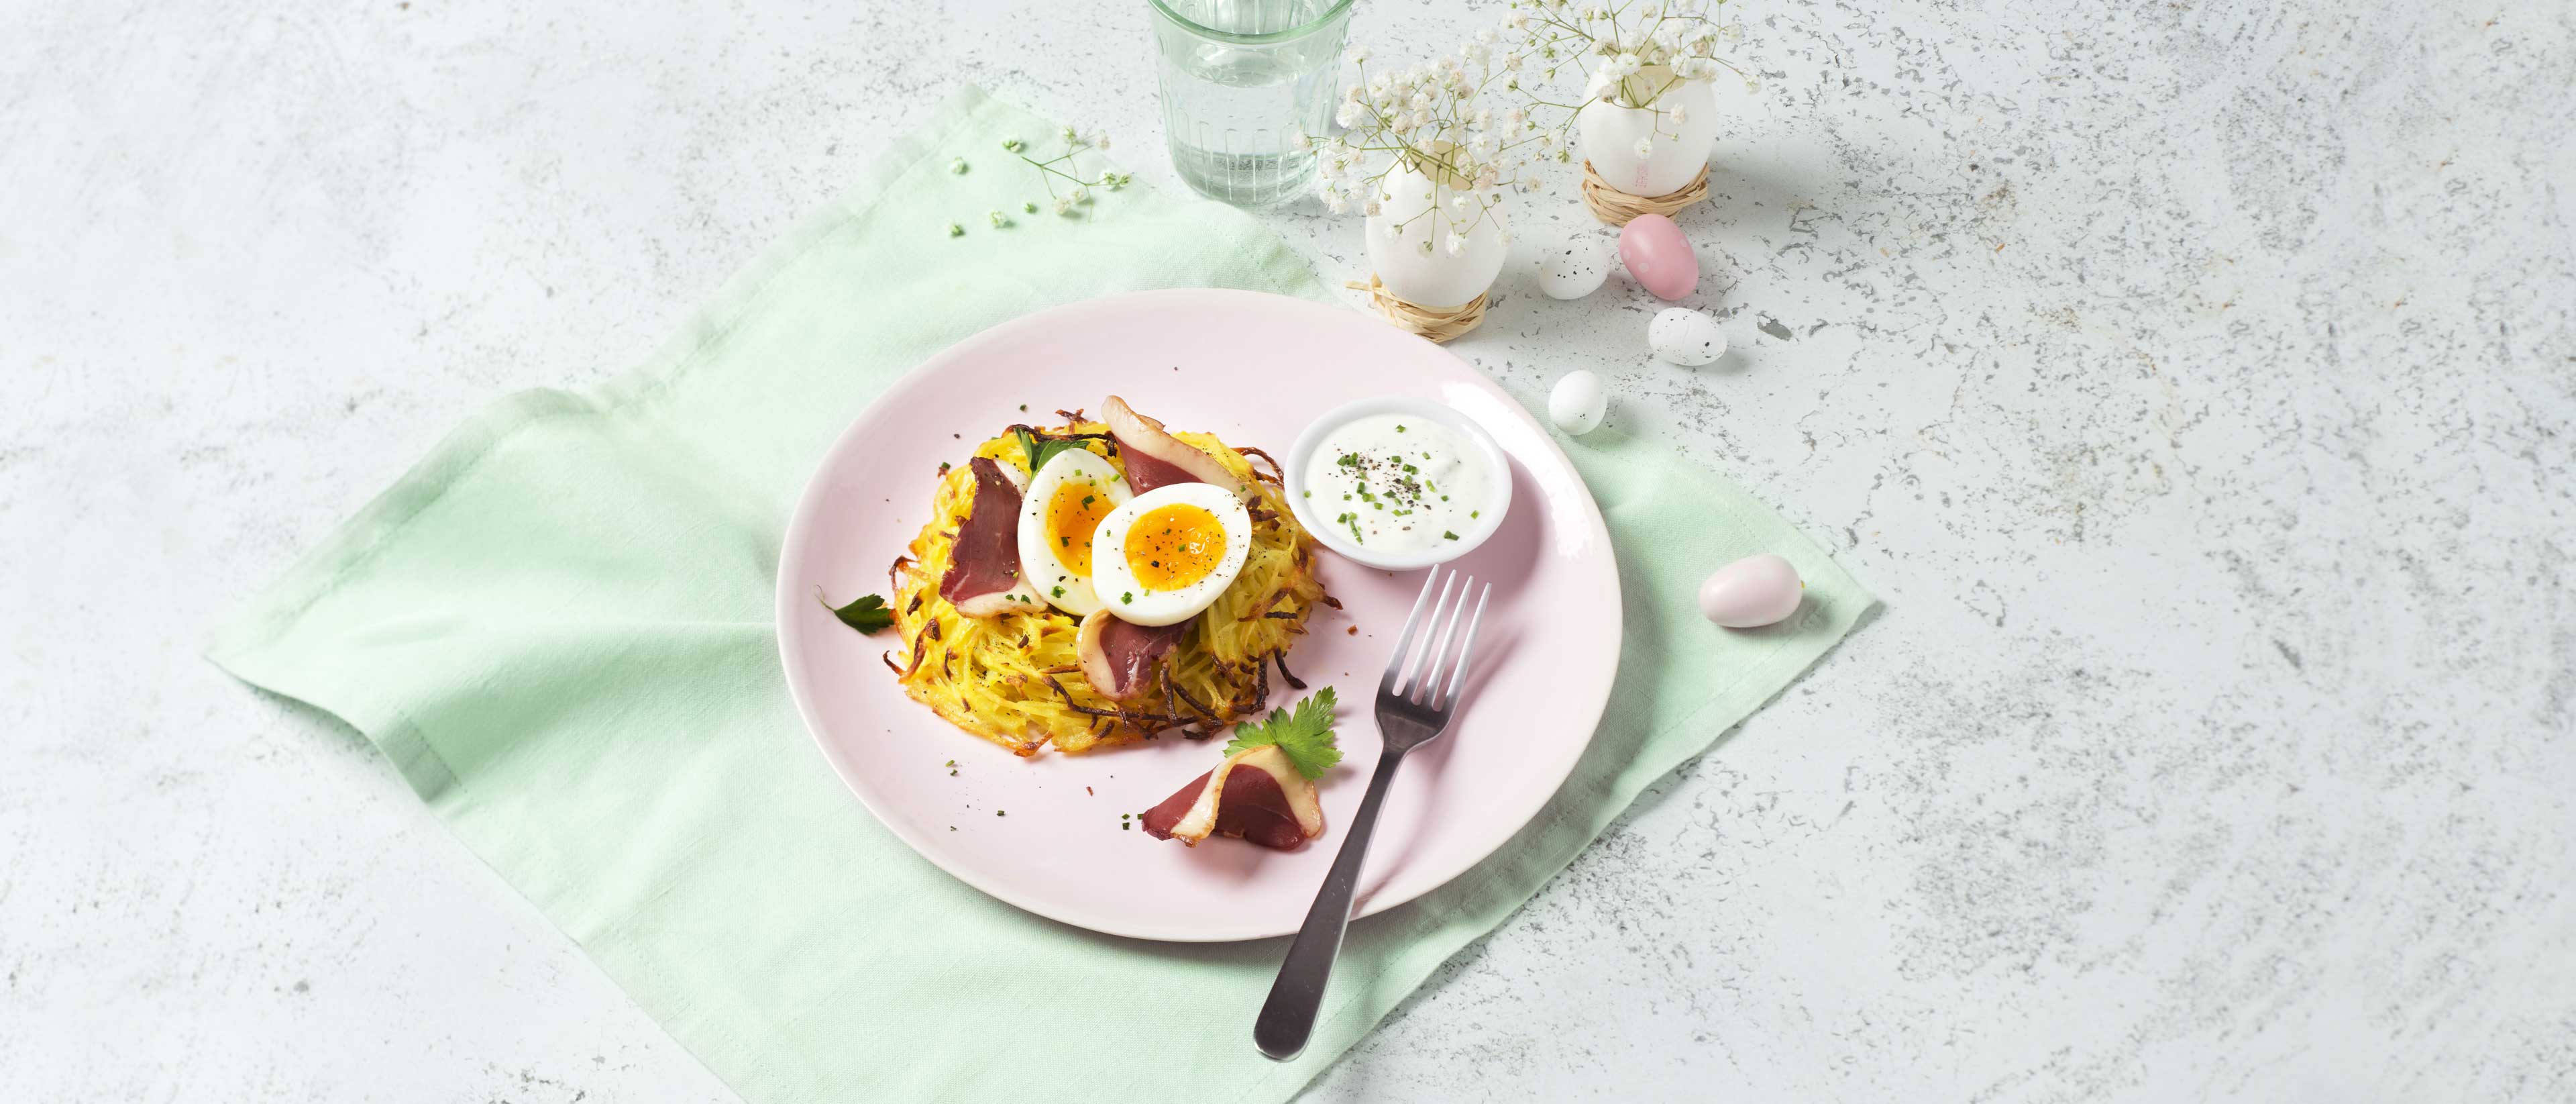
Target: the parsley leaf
pixel 868 614
pixel 1039 452
pixel 1307 735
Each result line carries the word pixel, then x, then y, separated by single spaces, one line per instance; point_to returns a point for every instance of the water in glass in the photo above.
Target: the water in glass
pixel 1241 78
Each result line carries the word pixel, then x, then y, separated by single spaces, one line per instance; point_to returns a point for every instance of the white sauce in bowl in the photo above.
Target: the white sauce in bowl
pixel 1397 484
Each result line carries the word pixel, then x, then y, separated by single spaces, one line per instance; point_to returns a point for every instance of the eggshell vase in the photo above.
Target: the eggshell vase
pixel 1608 134
pixel 1431 278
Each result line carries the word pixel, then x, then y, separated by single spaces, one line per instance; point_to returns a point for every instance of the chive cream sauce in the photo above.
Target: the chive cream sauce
pixel 1397 483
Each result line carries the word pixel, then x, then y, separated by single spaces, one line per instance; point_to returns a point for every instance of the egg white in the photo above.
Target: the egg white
pixel 1114 579
pixel 1041 561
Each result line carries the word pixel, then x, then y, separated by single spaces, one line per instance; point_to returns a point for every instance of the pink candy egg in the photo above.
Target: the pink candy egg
pixel 1659 256
pixel 1752 592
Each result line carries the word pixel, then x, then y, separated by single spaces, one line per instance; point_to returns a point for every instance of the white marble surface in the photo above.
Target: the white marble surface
pixel 2197 381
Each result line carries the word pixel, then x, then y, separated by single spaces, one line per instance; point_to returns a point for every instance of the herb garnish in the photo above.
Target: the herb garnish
pixel 1039 452
pixel 867 614
pixel 1306 735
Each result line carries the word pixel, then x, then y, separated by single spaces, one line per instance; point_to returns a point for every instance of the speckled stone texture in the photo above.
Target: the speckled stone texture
pixel 2195 380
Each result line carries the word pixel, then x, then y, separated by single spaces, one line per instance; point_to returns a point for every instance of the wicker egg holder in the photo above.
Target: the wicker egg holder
pixel 1439 324
pixel 1616 207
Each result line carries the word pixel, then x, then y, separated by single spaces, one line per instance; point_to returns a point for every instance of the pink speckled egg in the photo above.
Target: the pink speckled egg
pixel 1659 256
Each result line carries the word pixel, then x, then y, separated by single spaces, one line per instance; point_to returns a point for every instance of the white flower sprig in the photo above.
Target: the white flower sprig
pixel 1067 167
pixel 1630 52
pixel 1429 119
pixel 1623 41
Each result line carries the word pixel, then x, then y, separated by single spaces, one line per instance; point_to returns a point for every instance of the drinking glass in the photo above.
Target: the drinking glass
pixel 1241 79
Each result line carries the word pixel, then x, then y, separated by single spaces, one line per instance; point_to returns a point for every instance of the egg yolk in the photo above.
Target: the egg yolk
pixel 1072 513
pixel 1174 546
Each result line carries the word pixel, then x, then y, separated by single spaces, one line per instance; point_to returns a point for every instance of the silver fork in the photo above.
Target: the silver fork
pixel 1413 709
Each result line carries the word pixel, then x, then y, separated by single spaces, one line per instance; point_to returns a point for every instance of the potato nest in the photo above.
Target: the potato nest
pixel 1016 679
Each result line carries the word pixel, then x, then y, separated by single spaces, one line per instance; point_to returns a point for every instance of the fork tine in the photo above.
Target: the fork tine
pixel 1404 640
pixel 1435 663
pixel 1419 669
pixel 1466 648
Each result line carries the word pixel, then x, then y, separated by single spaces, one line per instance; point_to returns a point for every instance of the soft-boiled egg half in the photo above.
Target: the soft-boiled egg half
pixel 1060 516
pixel 1166 554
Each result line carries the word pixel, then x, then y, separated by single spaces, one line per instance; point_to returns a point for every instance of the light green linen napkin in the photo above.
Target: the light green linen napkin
pixel 558 628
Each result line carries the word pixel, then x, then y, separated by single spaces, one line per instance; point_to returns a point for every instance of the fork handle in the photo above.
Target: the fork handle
pixel 1288 1017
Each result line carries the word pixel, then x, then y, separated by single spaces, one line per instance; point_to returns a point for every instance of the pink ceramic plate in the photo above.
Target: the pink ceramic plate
pixel 1044 833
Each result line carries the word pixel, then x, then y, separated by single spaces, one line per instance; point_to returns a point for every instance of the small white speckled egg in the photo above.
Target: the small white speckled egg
pixel 1574 268
pixel 1752 592
pixel 1577 402
pixel 1680 335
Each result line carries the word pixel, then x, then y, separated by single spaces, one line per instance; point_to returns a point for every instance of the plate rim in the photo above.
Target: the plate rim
pixel 788 600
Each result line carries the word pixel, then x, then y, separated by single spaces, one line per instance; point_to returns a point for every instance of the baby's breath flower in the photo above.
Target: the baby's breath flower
pixel 1457 245
pixel 999 219
pixel 1303 142
pixel 1030 206
pixel 1081 194
pixel 956 231
pixel 1100 139
pixel 1063 206
pixel 1645 147
pixel 1011 145
pixel 1678 117
pixel 1069 135
pixel 1426 247
pixel 957 164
